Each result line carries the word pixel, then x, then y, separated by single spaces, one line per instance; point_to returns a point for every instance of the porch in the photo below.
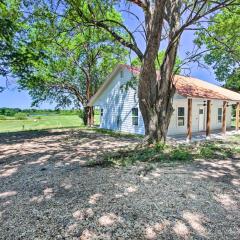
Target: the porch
pixel 201 136
pixel 208 133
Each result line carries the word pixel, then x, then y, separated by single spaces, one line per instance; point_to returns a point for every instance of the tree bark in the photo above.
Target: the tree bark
pixel 88 111
pixel 88 116
pixel 156 91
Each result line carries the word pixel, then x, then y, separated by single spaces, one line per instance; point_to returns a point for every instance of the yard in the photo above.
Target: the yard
pixel 10 124
pixel 51 190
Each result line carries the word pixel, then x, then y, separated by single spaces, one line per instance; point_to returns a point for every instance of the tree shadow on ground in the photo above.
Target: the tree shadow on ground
pixel 45 193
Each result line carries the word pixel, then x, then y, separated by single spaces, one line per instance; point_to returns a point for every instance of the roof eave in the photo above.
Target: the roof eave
pixel 207 98
pixel 110 77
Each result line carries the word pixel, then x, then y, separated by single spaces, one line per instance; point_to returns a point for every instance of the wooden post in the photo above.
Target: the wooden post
pixel 237 115
pixel 208 124
pixel 224 123
pixel 189 120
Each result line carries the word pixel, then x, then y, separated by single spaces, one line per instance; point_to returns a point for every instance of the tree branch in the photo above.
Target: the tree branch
pixel 115 35
pixel 140 3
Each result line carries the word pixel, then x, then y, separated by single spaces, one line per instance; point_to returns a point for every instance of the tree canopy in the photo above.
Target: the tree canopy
pixel 222 40
pixel 9 25
pixel 63 63
pixel 159 60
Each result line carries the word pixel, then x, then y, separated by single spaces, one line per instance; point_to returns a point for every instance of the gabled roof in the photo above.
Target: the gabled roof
pixel 196 88
pixel 185 86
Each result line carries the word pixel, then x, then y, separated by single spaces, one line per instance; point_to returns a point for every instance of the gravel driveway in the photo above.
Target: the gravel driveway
pixel 46 192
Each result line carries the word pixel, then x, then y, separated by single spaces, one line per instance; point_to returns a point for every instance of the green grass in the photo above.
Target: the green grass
pixel 234 138
pixel 116 133
pixel 97 119
pixel 40 122
pixel 151 154
pixel 174 154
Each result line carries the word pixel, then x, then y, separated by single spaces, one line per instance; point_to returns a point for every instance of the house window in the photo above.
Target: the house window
pixel 181 116
pixel 121 74
pixel 219 115
pixel 135 116
pixel 101 113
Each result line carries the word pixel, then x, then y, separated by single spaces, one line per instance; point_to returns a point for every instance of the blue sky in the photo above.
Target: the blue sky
pixel 12 97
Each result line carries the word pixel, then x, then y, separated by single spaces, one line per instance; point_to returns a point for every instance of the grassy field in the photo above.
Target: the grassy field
pixel 40 122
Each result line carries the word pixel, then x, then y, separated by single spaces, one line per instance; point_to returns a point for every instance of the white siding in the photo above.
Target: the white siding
pixel 174 129
pixel 117 104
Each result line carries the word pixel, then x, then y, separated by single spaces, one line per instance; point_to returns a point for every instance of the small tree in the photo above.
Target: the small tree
pixel 20 116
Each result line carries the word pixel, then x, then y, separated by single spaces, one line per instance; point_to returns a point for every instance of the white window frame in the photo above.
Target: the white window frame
pixel 219 115
pixel 135 117
pixel 181 117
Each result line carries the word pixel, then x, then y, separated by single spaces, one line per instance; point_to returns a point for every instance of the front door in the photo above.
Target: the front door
pixel 201 119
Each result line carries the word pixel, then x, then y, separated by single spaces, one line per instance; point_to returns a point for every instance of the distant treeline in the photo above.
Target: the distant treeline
pixel 12 111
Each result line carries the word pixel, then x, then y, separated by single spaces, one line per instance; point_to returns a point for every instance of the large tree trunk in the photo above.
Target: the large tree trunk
pixel 88 116
pixel 156 108
pixel 88 111
pixel 156 91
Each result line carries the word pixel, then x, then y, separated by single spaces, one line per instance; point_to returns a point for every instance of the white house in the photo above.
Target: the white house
pixel 198 105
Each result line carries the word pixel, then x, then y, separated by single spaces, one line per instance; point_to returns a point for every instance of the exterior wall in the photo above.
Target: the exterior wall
pixel 117 104
pixel 174 129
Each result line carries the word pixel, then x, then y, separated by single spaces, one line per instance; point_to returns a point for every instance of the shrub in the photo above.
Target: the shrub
pixel 209 150
pixel 20 116
pixel 215 150
pixel 236 150
pixel 159 146
pixel 180 154
pixel 38 117
pixel 2 117
pixel 206 152
pixel 158 153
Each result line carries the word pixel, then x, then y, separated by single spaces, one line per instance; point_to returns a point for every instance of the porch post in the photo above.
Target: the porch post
pixel 189 120
pixel 208 124
pixel 224 124
pixel 237 115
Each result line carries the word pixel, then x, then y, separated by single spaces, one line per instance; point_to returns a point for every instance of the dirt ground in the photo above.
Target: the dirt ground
pixel 47 192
